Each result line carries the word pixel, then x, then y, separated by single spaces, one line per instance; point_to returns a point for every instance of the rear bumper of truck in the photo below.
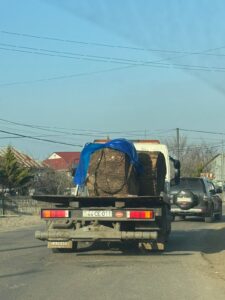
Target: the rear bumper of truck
pixel 91 234
pixel 67 226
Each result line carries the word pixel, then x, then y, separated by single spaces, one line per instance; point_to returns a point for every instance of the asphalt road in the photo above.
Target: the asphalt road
pixel 192 267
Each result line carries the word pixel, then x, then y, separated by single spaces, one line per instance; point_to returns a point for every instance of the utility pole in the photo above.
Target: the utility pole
pixel 178 143
pixel 222 166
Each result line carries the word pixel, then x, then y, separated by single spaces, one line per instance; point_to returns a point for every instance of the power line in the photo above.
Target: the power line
pixel 17 135
pixel 39 139
pixel 29 130
pixel 104 71
pixel 107 59
pixel 79 56
pixel 193 147
pixel 110 45
pixel 10 137
pixel 62 77
pixel 45 129
pixel 89 133
pixel 155 64
pixel 65 76
pixel 40 135
pixel 71 55
pixel 78 42
pixel 97 132
pixel 213 85
pixel 202 131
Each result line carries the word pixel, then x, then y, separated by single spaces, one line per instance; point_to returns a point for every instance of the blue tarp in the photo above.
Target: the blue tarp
pixel 122 145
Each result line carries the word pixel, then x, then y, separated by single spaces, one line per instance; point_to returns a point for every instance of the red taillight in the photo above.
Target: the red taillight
pixel 140 214
pixel 54 213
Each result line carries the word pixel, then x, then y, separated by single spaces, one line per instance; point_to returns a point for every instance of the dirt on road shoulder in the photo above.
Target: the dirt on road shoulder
pixel 215 251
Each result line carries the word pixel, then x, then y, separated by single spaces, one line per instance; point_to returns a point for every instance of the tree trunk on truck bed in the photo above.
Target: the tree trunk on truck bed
pixel 111 173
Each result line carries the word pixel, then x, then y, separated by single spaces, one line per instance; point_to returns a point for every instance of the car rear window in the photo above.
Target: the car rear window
pixel 194 184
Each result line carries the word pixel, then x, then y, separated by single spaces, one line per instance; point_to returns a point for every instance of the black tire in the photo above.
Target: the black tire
pixel 218 216
pixel 167 237
pixel 210 217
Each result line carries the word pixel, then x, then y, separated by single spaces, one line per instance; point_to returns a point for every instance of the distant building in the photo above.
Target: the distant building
pixel 62 161
pixel 23 159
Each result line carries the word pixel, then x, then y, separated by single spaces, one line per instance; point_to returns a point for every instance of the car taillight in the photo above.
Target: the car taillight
pixel 54 213
pixel 140 214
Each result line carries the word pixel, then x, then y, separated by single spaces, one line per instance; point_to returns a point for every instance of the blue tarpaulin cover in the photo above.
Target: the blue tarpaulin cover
pixel 122 145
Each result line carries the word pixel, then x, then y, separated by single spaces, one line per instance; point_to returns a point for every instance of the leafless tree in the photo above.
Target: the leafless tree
pixel 49 181
pixel 194 158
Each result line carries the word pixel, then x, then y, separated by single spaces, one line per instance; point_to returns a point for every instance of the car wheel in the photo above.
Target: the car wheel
pixel 210 217
pixel 218 216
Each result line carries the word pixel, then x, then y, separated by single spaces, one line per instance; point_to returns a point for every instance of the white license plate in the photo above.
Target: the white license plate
pixel 97 213
pixel 184 199
pixel 60 244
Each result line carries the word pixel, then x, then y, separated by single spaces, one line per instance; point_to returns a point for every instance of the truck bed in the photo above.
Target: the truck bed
pixel 102 201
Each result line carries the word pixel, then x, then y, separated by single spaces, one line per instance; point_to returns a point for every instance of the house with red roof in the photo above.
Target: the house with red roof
pixel 62 161
pixel 23 159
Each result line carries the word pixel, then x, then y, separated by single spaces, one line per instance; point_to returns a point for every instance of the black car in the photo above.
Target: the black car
pixel 196 196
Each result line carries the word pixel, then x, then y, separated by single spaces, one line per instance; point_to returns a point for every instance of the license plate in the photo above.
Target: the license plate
pixel 97 213
pixel 60 244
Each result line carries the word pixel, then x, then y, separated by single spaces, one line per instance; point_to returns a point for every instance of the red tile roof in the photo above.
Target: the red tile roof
pixel 69 157
pixel 56 164
pixel 23 159
pixel 66 161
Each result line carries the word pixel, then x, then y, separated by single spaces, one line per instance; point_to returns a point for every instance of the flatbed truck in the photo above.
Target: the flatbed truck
pixel 145 220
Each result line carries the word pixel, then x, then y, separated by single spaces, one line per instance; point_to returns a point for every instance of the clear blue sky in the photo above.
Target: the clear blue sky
pixel 109 68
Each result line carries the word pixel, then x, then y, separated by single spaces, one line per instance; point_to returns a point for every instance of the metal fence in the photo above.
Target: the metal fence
pixel 18 205
pixel 1 207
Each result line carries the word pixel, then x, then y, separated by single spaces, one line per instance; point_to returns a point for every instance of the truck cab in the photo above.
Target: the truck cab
pixel 155 146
